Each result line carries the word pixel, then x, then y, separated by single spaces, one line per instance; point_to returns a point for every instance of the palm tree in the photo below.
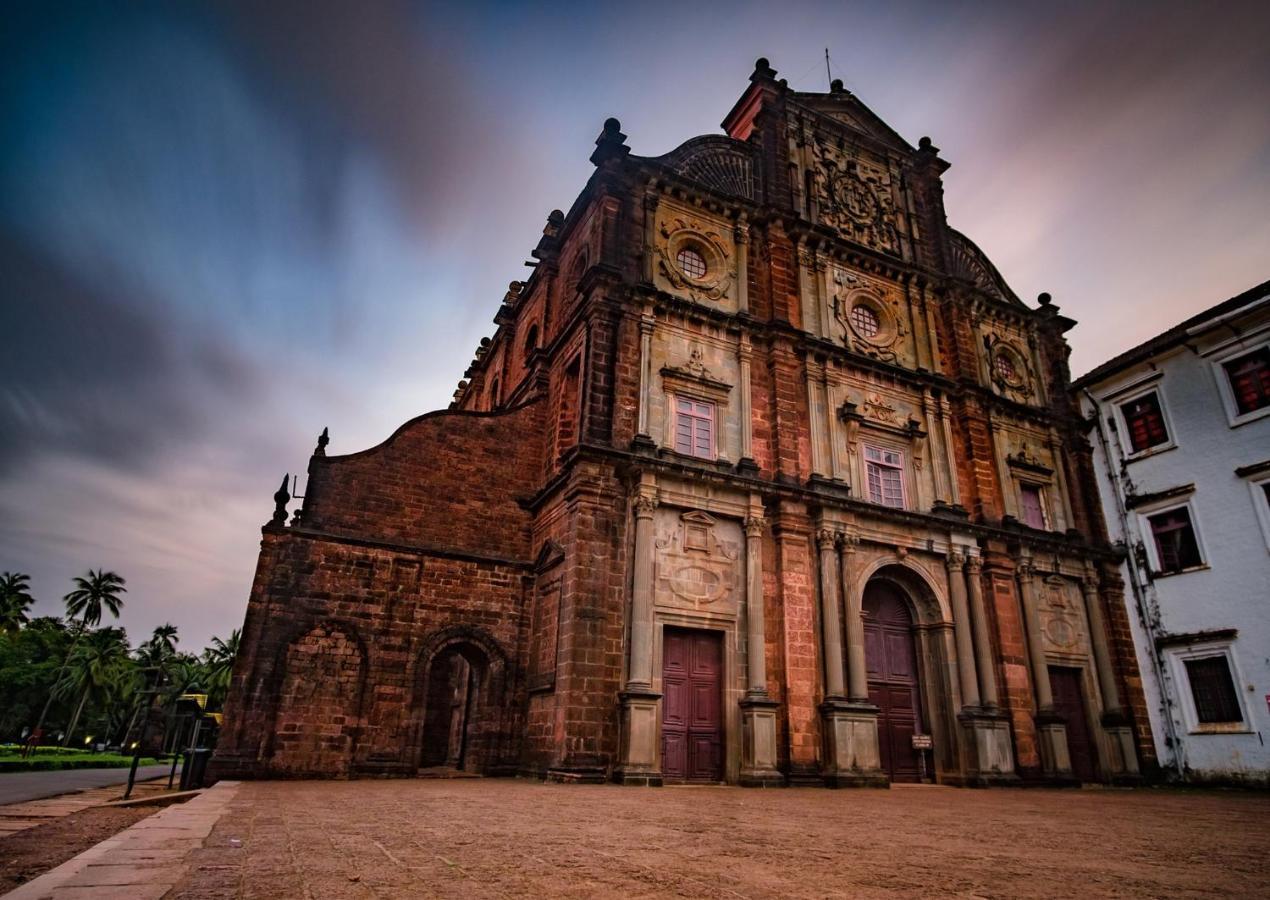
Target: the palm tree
pixel 94 669
pixel 219 659
pixel 15 600
pixel 93 591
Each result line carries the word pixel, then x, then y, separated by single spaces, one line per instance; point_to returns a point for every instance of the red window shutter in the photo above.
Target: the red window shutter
pixel 1146 423
pixel 1250 380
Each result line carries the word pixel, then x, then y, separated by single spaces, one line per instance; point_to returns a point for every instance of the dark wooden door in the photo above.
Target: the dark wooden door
pixel 891 654
pixel 692 714
pixel 1069 702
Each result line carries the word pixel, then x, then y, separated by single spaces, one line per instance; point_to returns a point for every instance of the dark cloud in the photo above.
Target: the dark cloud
pixel 97 375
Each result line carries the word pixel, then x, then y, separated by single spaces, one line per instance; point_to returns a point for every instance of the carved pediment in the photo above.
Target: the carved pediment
pixel 694 377
pixel 719 163
pixel 968 262
pixel 847 109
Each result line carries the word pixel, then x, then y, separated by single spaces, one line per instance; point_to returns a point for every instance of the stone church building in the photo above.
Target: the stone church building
pixel 765 477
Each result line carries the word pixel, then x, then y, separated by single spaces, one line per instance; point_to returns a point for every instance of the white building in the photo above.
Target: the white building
pixel 1181 438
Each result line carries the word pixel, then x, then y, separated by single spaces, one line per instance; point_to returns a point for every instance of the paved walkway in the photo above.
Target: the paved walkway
pixel 18 787
pixel 141 863
pixel 15 817
pixel 498 838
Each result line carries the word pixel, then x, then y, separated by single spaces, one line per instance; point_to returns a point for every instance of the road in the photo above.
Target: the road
pixel 18 787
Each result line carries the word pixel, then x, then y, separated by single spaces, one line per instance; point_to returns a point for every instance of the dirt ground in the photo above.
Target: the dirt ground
pixel 496 838
pixel 26 854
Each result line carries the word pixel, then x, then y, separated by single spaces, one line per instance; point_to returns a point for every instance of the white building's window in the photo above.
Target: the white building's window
pixel 1144 422
pixel 1209 680
pixel 1173 542
pixel 1243 379
pixel 1261 503
pixel 884 470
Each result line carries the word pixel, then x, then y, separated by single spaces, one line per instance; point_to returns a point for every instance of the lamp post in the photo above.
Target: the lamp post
pixel 146 696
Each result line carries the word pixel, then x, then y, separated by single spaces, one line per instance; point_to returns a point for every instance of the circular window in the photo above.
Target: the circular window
pixel 865 320
pixel 691 262
pixel 1004 366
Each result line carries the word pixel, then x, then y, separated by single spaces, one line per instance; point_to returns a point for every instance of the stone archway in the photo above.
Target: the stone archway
pixel 456 677
pixel 895 683
pixel 461 690
pixel 908 655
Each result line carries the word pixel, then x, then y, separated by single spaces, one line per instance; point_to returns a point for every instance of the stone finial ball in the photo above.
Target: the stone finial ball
pixel 836 86
pixel 762 63
pixel 924 143
pixel 612 125
pixel 1044 299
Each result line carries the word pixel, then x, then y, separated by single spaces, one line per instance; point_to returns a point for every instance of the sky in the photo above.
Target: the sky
pixel 224 227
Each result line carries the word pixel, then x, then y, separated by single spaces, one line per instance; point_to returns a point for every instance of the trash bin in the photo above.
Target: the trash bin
pixel 194 767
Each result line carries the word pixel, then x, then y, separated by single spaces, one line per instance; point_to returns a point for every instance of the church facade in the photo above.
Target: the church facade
pixel 765 477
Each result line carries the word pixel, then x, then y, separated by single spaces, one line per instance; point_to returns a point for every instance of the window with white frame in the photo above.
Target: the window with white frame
pixel 1144 424
pixel 1174 540
pixel 1260 486
pixel 1032 506
pixel 1249 378
pixel 884 471
pixel 694 427
pixel 1211 700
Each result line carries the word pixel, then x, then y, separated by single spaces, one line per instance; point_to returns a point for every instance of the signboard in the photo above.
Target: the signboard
pixel 922 742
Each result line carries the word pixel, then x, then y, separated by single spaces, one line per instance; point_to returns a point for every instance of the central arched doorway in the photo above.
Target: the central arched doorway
pixel 894 684
pixel 456 682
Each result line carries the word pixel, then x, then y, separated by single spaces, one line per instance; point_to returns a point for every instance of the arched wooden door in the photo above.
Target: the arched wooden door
pixel 891 653
pixel 453 702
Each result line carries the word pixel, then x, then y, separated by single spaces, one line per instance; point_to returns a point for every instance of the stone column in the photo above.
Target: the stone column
pixel 814 374
pixel 829 607
pixel 741 234
pixel 758 710
pixel 1051 731
pixel 1124 764
pixel 990 756
pixel 961 630
pixel 646 323
pixel 744 353
pixel 954 488
pixel 641 664
pixel 851 756
pixel 857 670
pixel 638 762
pixel 983 639
pixel 756 641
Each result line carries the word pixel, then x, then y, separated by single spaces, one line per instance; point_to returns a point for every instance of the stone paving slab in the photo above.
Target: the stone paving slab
pixel 15 817
pixel 140 863
pixel 374 840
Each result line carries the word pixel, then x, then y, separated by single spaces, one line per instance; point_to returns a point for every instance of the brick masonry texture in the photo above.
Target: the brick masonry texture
pixel 461 594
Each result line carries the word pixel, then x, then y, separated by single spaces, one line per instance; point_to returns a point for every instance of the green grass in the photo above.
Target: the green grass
pixel 53 759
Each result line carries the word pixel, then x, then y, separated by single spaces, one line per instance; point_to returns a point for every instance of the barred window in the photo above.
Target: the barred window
pixel 691 262
pixel 1145 422
pixel 865 320
pixel 1004 367
pixel 1213 690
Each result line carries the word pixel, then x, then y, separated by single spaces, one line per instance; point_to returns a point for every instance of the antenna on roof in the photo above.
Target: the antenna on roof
pixel 828 73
